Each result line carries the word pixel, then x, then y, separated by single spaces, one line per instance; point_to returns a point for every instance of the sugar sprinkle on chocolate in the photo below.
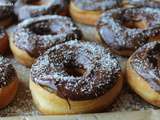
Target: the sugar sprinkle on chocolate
pixel 101 70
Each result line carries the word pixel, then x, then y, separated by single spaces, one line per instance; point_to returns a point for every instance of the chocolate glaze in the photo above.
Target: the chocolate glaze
pixel 146 62
pixel 101 5
pixel 144 3
pixel 7 72
pixel 27 8
pixel 116 35
pixel 35 35
pixel 101 70
pixel 6 9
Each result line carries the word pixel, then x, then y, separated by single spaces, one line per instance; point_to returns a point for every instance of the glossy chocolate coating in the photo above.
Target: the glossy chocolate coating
pixel 7 72
pixel 146 62
pixel 29 8
pixel 6 9
pixel 113 31
pixel 94 5
pixel 36 35
pixel 101 70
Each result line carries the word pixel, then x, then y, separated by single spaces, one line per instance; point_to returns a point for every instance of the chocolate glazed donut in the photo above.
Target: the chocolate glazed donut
pixel 8 82
pixel 6 12
pixel 33 8
pixel 35 35
pixel 143 72
pixel 124 30
pixel 75 77
pixel 88 11
pixel 141 3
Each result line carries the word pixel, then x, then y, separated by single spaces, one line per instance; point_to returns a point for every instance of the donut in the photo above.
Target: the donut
pixel 33 8
pixel 8 82
pixel 88 11
pixel 124 30
pixel 35 35
pixel 143 72
pixel 75 77
pixel 6 12
pixel 141 3
pixel 3 41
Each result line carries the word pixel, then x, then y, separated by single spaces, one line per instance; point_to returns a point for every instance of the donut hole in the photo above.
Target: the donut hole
pixel 46 28
pixel 154 55
pixel 73 71
pixel 138 22
pixel 40 28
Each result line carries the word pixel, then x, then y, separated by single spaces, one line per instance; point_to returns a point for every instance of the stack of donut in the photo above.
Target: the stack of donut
pixel 69 75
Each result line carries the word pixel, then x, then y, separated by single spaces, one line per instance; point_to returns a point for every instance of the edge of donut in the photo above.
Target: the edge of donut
pixel 84 16
pixel 125 53
pixel 141 87
pixel 8 92
pixel 49 103
pixel 20 55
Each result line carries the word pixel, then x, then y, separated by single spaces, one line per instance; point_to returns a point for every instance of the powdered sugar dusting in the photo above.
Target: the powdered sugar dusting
pixel 121 37
pixel 6 8
pixel 97 4
pixel 6 72
pixel 35 35
pixel 101 70
pixel 146 3
pixel 146 62
pixel 25 11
